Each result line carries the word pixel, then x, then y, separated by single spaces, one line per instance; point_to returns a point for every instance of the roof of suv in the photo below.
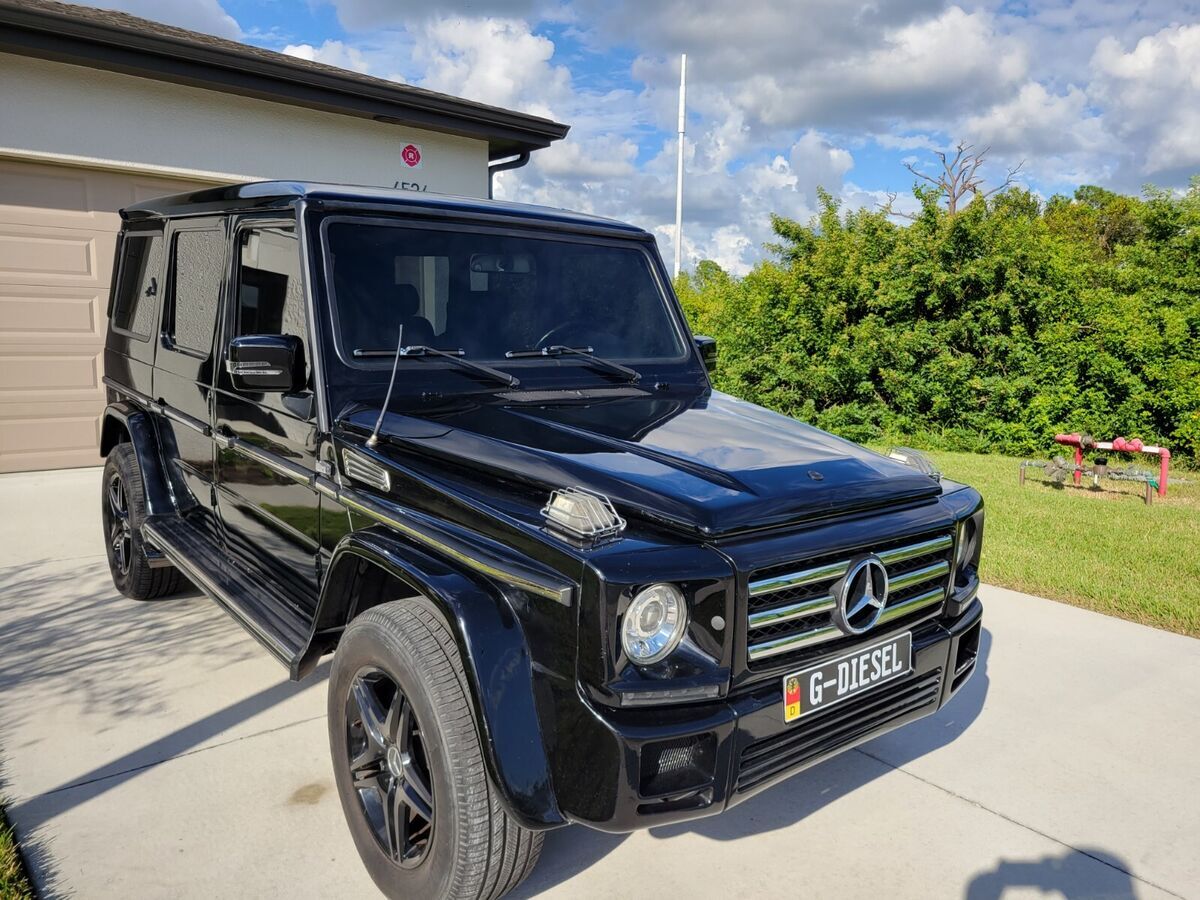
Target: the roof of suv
pixel 265 195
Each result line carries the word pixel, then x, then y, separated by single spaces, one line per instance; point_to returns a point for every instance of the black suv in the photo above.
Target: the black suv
pixel 472 447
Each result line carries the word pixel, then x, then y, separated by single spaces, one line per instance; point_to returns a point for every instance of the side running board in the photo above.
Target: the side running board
pixel 254 603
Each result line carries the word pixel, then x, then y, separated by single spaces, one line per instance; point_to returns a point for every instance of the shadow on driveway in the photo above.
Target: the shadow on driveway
pixel 70 632
pixel 178 743
pixel 1073 876
pixel 28 814
pixel 73 642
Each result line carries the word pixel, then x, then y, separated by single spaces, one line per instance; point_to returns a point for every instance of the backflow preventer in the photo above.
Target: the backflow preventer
pixel 1059 469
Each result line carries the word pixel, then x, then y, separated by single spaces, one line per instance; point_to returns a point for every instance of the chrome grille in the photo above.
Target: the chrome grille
pixel 790 606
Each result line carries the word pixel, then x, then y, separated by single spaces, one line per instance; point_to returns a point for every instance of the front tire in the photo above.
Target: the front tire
pixel 408 765
pixel 123 510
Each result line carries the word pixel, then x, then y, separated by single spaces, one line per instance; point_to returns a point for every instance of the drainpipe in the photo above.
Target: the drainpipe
pixel 515 163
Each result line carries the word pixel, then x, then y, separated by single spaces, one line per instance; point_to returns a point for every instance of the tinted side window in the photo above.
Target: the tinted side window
pixel 270 294
pixel 136 302
pixel 196 288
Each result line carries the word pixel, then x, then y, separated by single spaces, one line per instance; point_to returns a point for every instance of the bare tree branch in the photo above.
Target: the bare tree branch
pixel 960 176
pixel 934 181
pixel 1009 180
pixel 890 210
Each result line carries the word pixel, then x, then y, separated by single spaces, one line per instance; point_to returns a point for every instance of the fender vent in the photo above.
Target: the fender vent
pixel 367 471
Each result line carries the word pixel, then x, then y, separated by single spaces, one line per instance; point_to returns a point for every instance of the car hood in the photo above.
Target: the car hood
pixel 708 463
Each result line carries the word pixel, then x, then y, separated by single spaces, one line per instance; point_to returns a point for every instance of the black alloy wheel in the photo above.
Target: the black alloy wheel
pixel 122 512
pixel 389 767
pixel 120 532
pixel 409 765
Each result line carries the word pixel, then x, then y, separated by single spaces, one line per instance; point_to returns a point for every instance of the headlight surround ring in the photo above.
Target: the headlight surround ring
pixel 654 624
pixel 967 547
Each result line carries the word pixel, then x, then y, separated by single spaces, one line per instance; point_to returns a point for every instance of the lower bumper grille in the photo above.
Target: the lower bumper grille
pixel 841 726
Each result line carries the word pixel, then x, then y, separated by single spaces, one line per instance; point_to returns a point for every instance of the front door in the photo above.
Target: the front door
pixel 272 522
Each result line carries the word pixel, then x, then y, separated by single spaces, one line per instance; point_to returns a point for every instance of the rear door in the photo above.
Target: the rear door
pixel 272 522
pixel 134 313
pixel 184 368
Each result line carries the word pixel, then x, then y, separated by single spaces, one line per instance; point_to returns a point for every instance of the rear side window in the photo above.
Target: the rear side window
pixel 136 302
pixel 196 287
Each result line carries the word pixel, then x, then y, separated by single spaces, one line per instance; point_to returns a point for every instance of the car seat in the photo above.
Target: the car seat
pixel 417 329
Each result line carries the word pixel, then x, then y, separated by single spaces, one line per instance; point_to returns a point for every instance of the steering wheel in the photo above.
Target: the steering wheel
pixel 576 333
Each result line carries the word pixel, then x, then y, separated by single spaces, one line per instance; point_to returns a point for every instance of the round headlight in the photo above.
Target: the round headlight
pixel 654 624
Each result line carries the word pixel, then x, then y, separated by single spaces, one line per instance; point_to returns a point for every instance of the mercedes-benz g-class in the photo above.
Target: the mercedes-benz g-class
pixel 472 450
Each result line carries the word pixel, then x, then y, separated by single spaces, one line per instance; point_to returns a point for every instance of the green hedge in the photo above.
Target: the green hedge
pixel 989 330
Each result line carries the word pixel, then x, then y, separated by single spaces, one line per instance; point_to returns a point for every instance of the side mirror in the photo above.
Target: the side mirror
pixel 266 363
pixel 708 351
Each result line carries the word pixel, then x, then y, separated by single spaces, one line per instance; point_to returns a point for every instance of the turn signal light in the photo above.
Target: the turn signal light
pixel 582 514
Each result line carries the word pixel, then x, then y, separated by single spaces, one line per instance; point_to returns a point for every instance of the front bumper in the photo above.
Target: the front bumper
pixel 667 765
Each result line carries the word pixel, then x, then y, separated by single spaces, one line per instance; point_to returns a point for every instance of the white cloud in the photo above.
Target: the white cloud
pixel 818 163
pixel 924 71
pixel 726 211
pixel 496 61
pixel 1059 137
pixel 1037 122
pixel 1151 98
pixel 802 74
pixel 600 158
pixel 332 53
pixel 734 41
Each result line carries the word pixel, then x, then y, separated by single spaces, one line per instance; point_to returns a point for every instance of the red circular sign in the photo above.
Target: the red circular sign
pixel 411 156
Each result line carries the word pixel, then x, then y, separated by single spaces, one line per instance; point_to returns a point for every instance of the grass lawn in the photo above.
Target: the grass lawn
pixel 13 883
pixel 1100 549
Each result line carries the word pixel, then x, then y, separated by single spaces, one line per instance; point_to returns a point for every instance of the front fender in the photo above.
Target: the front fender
pixel 495 659
pixel 124 418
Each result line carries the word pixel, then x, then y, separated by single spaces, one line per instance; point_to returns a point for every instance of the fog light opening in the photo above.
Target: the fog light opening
pixel 676 766
pixel 966 655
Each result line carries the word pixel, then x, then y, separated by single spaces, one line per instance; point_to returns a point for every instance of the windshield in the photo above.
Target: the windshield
pixel 490 294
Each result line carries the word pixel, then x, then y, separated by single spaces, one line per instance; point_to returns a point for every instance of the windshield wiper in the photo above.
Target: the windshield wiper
pixel 584 352
pixel 455 356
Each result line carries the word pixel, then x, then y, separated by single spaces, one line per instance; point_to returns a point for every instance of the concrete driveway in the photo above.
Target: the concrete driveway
pixel 153 750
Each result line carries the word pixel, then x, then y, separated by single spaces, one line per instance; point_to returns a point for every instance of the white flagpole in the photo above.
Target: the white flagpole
pixel 679 166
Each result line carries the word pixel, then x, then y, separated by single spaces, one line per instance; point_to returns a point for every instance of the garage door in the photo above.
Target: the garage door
pixel 58 228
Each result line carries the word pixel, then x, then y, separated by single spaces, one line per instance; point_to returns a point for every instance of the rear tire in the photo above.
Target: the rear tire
pixel 123 510
pixel 399 662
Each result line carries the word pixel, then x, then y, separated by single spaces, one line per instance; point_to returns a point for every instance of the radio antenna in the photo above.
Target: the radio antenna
pixel 373 440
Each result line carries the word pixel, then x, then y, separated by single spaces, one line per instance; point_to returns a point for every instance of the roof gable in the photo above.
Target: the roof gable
pixel 120 42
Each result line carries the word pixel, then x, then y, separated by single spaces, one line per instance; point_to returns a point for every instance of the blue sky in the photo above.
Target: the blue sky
pixel 784 95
